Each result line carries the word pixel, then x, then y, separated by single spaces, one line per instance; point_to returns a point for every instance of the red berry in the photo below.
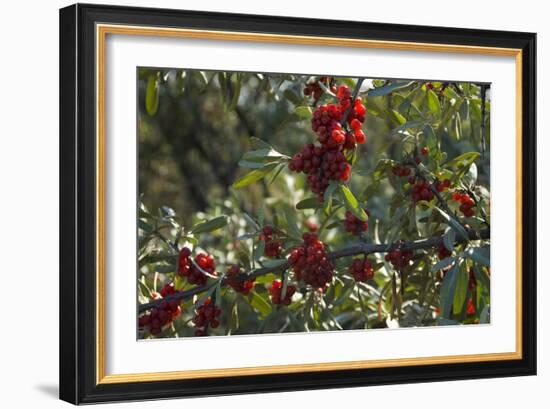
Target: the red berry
pixel 424 150
pixel 275 291
pixel 361 270
pixel 354 225
pixel 310 262
pixel 399 258
pixel 239 285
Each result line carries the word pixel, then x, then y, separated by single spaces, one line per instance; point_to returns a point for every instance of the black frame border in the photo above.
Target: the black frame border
pixel 78 197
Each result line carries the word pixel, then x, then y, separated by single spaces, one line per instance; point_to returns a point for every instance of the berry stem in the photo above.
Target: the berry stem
pixel 354 95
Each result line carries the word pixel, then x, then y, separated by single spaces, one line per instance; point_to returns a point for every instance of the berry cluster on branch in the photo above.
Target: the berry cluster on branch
pixel 466 203
pixel 310 262
pixel 361 270
pixel 339 129
pixel 240 286
pixel 164 314
pixel 352 250
pixel 206 316
pixel 192 270
pixel 355 225
pixel 276 290
pixel 273 247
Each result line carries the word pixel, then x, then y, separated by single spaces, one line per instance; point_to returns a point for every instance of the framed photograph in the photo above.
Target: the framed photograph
pixel 259 203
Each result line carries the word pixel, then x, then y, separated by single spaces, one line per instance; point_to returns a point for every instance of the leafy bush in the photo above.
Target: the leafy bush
pixel 289 203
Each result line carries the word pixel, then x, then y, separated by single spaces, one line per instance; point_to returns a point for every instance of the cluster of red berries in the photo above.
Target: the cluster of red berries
pixel 314 90
pixel 325 162
pixel 186 267
pixel 273 247
pixel 442 185
pixel 400 170
pixel 310 262
pixel 424 150
pixel 443 252
pixel 275 291
pixel 326 121
pixel 466 203
pixel 240 286
pixel 421 190
pixel 207 315
pixel 361 270
pixel 162 315
pixel 321 165
pixel 399 258
pixel 355 225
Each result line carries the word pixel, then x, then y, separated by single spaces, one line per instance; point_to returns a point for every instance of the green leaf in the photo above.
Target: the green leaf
pixel 251 221
pixel 399 118
pixel 303 112
pixel 391 87
pixel 352 204
pixel 258 143
pixel 152 95
pixel 433 103
pixel 447 261
pixel 252 165
pixel 466 159
pixel 327 198
pixel 447 291
pixel 291 221
pixel 345 294
pixel 259 250
pixel 274 263
pixel 167 211
pixel 450 93
pixel 259 304
pixel 210 225
pixel 481 255
pixel 277 172
pixel 145 291
pixel 146 227
pixel 264 155
pixel 406 125
pixel 254 176
pixel 453 224
pixel 309 203
pixel 461 291
pixel 292 96
pixel 431 138
pixel 449 239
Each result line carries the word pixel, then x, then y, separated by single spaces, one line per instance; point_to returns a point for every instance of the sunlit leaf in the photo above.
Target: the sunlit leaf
pixel 210 225
pixel 254 176
pixel 152 95
pixel 352 204
pixel 391 87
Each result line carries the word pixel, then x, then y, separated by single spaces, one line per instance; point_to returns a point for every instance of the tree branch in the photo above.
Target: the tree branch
pixel 360 248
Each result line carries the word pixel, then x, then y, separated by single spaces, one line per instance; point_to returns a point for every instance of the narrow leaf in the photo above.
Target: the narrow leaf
pixel 352 204
pixel 210 225
pixel 254 176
